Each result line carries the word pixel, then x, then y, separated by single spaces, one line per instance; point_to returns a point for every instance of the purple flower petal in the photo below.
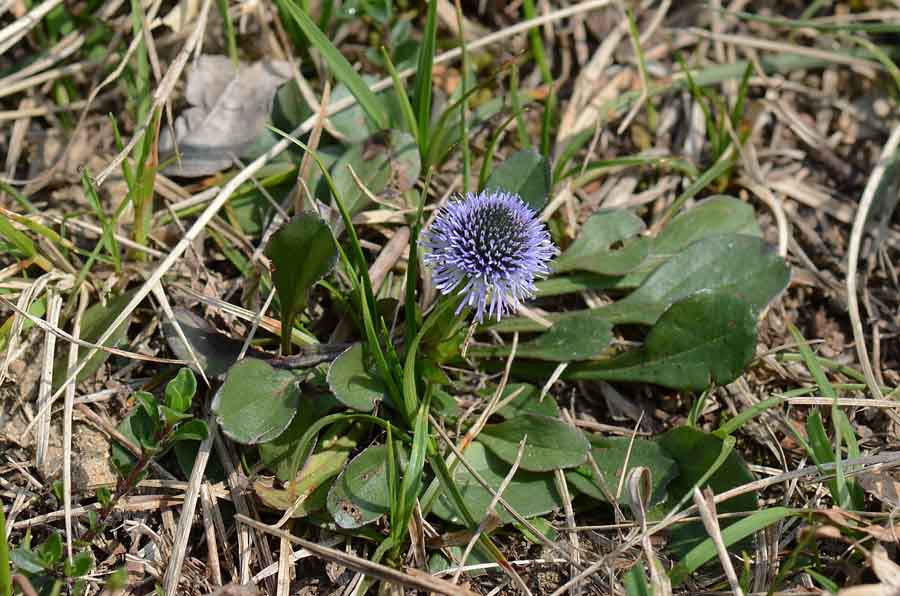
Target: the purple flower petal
pixel 489 248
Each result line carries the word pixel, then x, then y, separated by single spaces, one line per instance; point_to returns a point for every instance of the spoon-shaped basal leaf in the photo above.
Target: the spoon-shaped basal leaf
pixel 550 444
pixel 574 338
pixel 257 402
pixel 302 253
pixel 361 494
pixel 351 382
pixel 529 493
pixel 735 264
pixel 616 457
pixel 708 337
pixel 591 250
pixel 710 217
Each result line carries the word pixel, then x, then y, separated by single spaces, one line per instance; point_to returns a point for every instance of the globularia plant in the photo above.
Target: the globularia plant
pixel 697 287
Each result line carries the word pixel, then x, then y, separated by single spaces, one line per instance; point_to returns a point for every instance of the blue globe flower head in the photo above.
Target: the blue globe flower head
pixel 489 248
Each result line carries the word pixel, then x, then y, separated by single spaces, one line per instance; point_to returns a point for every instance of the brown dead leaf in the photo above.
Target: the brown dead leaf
pixel 885 570
pixel 881 484
pixel 229 110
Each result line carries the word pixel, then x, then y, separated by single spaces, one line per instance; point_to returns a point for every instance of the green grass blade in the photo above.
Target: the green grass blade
pixel 537 44
pixel 393 481
pixel 718 168
pixel 5 571
pixel 144 182
pixel 596 169
pixel 706 550
pixel 846 490
pixel 879 55
pixel 304 445
pixel 381 362
pixel 342 69
pixel 635 37
pixel 411 484
pixel 540 58
pixel 575 143
pixel 18 239
pixel 21 199
pixel 400 89
pixel 410 309
pixel 229 32
pixel 547 123
pixel 521 130
pixel 140 90
pixel 464 105
pixel 635 582
pixel 422 92
pixel 108 234
pixel 410 393
pixel 487 162
pixel 737 113
pixel 701 99
pixel 745 416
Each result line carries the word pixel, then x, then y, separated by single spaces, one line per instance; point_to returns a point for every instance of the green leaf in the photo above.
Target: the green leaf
pixel 443 404
pixel 312 482
pixel 214 351
pixel 172 417
pixel 27 561
pixel 186 451
pixel 51 551
pixel 545 528
pixel 360 494
pixel 526 402
pixel 80 565
pixel 192 430
pixel 551 442
pixel 180 390
pixel 341 68
pixel 707 338
pixel 353 123
pixel 719 214
pixel 351 382
pixel 95 322
pixel 149 403
pixel 591 250
pixel 140 428
pixel 278 454
pixel 578 337
pixel 712 216
pixel 530 493
pixel 387 164
pixel 302 253
pixel 256 402
pixel 695 452
pixel 635 582
pixel 611 455
pixel 706 550
pixel 527 174
pixel 740 265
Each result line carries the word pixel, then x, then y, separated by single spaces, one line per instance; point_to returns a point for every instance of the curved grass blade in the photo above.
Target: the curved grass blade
pixel 422 93
pixel 342 69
